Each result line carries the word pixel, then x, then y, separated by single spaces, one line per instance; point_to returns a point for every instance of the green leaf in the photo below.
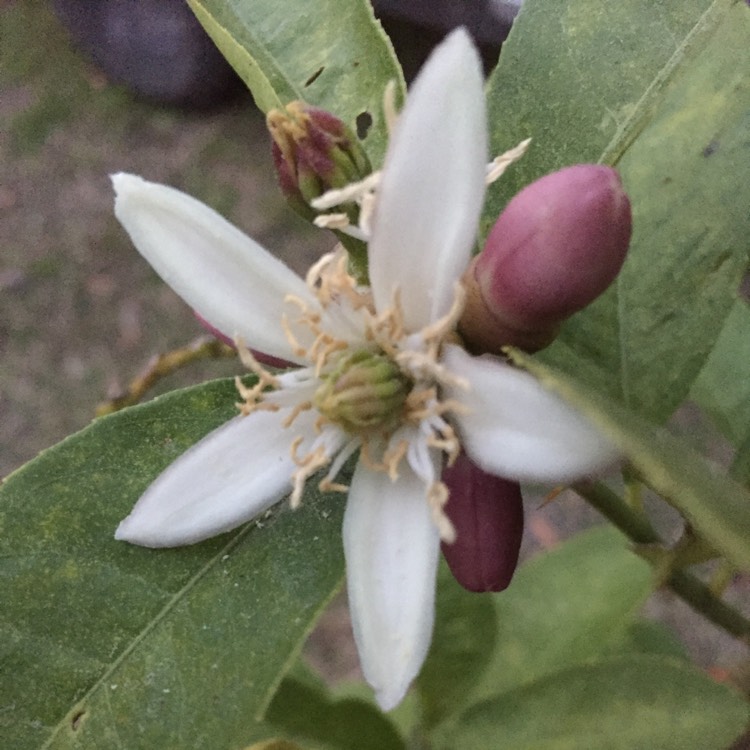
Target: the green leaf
pixel 405 717
pixel 309 715
pixel 330 53
pixel 716 506
pixel 618 704
pixel 563 607
pixel 274 745
pixel 661 87
pixel 723 386
pixel 647 637
pixel 110 645
pixel 581 77
pixel 462 643
pixel 740 469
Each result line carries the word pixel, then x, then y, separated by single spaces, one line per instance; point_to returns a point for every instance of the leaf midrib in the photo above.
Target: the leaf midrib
pixel 642 114
pixel 145 631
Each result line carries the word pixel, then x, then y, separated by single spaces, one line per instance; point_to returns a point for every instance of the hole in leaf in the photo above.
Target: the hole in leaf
pixel 364 121
pixel 75 722
pixel 314 76
pixel 711 148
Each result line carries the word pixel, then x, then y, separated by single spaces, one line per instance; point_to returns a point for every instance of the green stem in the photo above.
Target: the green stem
pixel 689 588
pixel 633 491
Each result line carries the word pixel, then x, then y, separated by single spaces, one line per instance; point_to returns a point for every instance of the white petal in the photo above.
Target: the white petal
pixel 432 186
pixel 391 548
pixel 231 475
pixel 517 429
pixel 225 276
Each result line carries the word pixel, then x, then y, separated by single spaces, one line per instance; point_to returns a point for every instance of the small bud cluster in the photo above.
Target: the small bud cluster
pixel 313 152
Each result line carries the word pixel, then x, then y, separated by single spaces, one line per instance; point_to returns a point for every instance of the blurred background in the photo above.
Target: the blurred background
pixel 87 89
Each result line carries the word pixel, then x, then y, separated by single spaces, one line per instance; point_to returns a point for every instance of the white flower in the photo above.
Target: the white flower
pixel 379 371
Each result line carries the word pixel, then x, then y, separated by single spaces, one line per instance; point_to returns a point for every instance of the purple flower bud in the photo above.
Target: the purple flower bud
pixel 313 151
pixel 557 246
pixel 264 359
pixel 487 514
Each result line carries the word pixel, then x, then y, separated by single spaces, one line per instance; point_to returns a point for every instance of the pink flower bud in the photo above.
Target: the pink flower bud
pixel 313 151
pixel 557 246
pixel 487 514
pixel 264 359
pixel 215 332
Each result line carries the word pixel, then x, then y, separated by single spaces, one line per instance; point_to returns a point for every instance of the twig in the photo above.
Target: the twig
pixel 689 588
pixel 161 365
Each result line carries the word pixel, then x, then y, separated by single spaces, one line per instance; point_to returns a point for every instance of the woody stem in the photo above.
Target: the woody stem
pixel 687 586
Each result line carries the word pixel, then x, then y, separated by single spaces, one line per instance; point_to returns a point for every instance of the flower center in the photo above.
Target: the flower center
pixel 369 378
pixel 365 392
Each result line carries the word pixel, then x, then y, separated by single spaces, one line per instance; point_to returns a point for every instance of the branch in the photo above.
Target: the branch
pixel 161 365
pixel 687 586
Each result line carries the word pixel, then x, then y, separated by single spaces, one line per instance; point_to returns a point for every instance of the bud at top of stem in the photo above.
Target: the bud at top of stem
pixel 557 246
pixel 313 152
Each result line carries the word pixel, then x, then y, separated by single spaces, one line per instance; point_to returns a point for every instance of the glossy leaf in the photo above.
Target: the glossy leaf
pixel 740 469
pixel 330 53
pixel 723 386
pixel 111 645
pixel 582 77
pixel 274 744
pixel 661 89
pixel 563 607
pixel 715 505
pixel 309 715
pixel 648 637
pixel 618 704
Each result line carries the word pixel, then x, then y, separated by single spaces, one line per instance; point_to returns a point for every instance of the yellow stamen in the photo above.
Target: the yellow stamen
pixel 392 458
pixel 265 378
pixel 332 221
pixel 351 192
pixel 499 164
pixel 296 347
pixel 317 270
pixel 390 113
pixel 307 466
pixel 326 485
pixel 438 330
pixel 437 497
pixel 449 443
pixel 296 411
pixel 366 458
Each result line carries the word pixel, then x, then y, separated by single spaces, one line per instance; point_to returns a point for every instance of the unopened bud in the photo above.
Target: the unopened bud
pixel 313 152
pixel 264 359
pixel 557 246
pixel 365 391
pixel 487 513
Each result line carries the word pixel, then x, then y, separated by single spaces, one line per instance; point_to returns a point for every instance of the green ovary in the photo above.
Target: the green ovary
pixel 365 392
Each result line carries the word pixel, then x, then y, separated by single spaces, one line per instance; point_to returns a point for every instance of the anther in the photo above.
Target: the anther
pixel 499 164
